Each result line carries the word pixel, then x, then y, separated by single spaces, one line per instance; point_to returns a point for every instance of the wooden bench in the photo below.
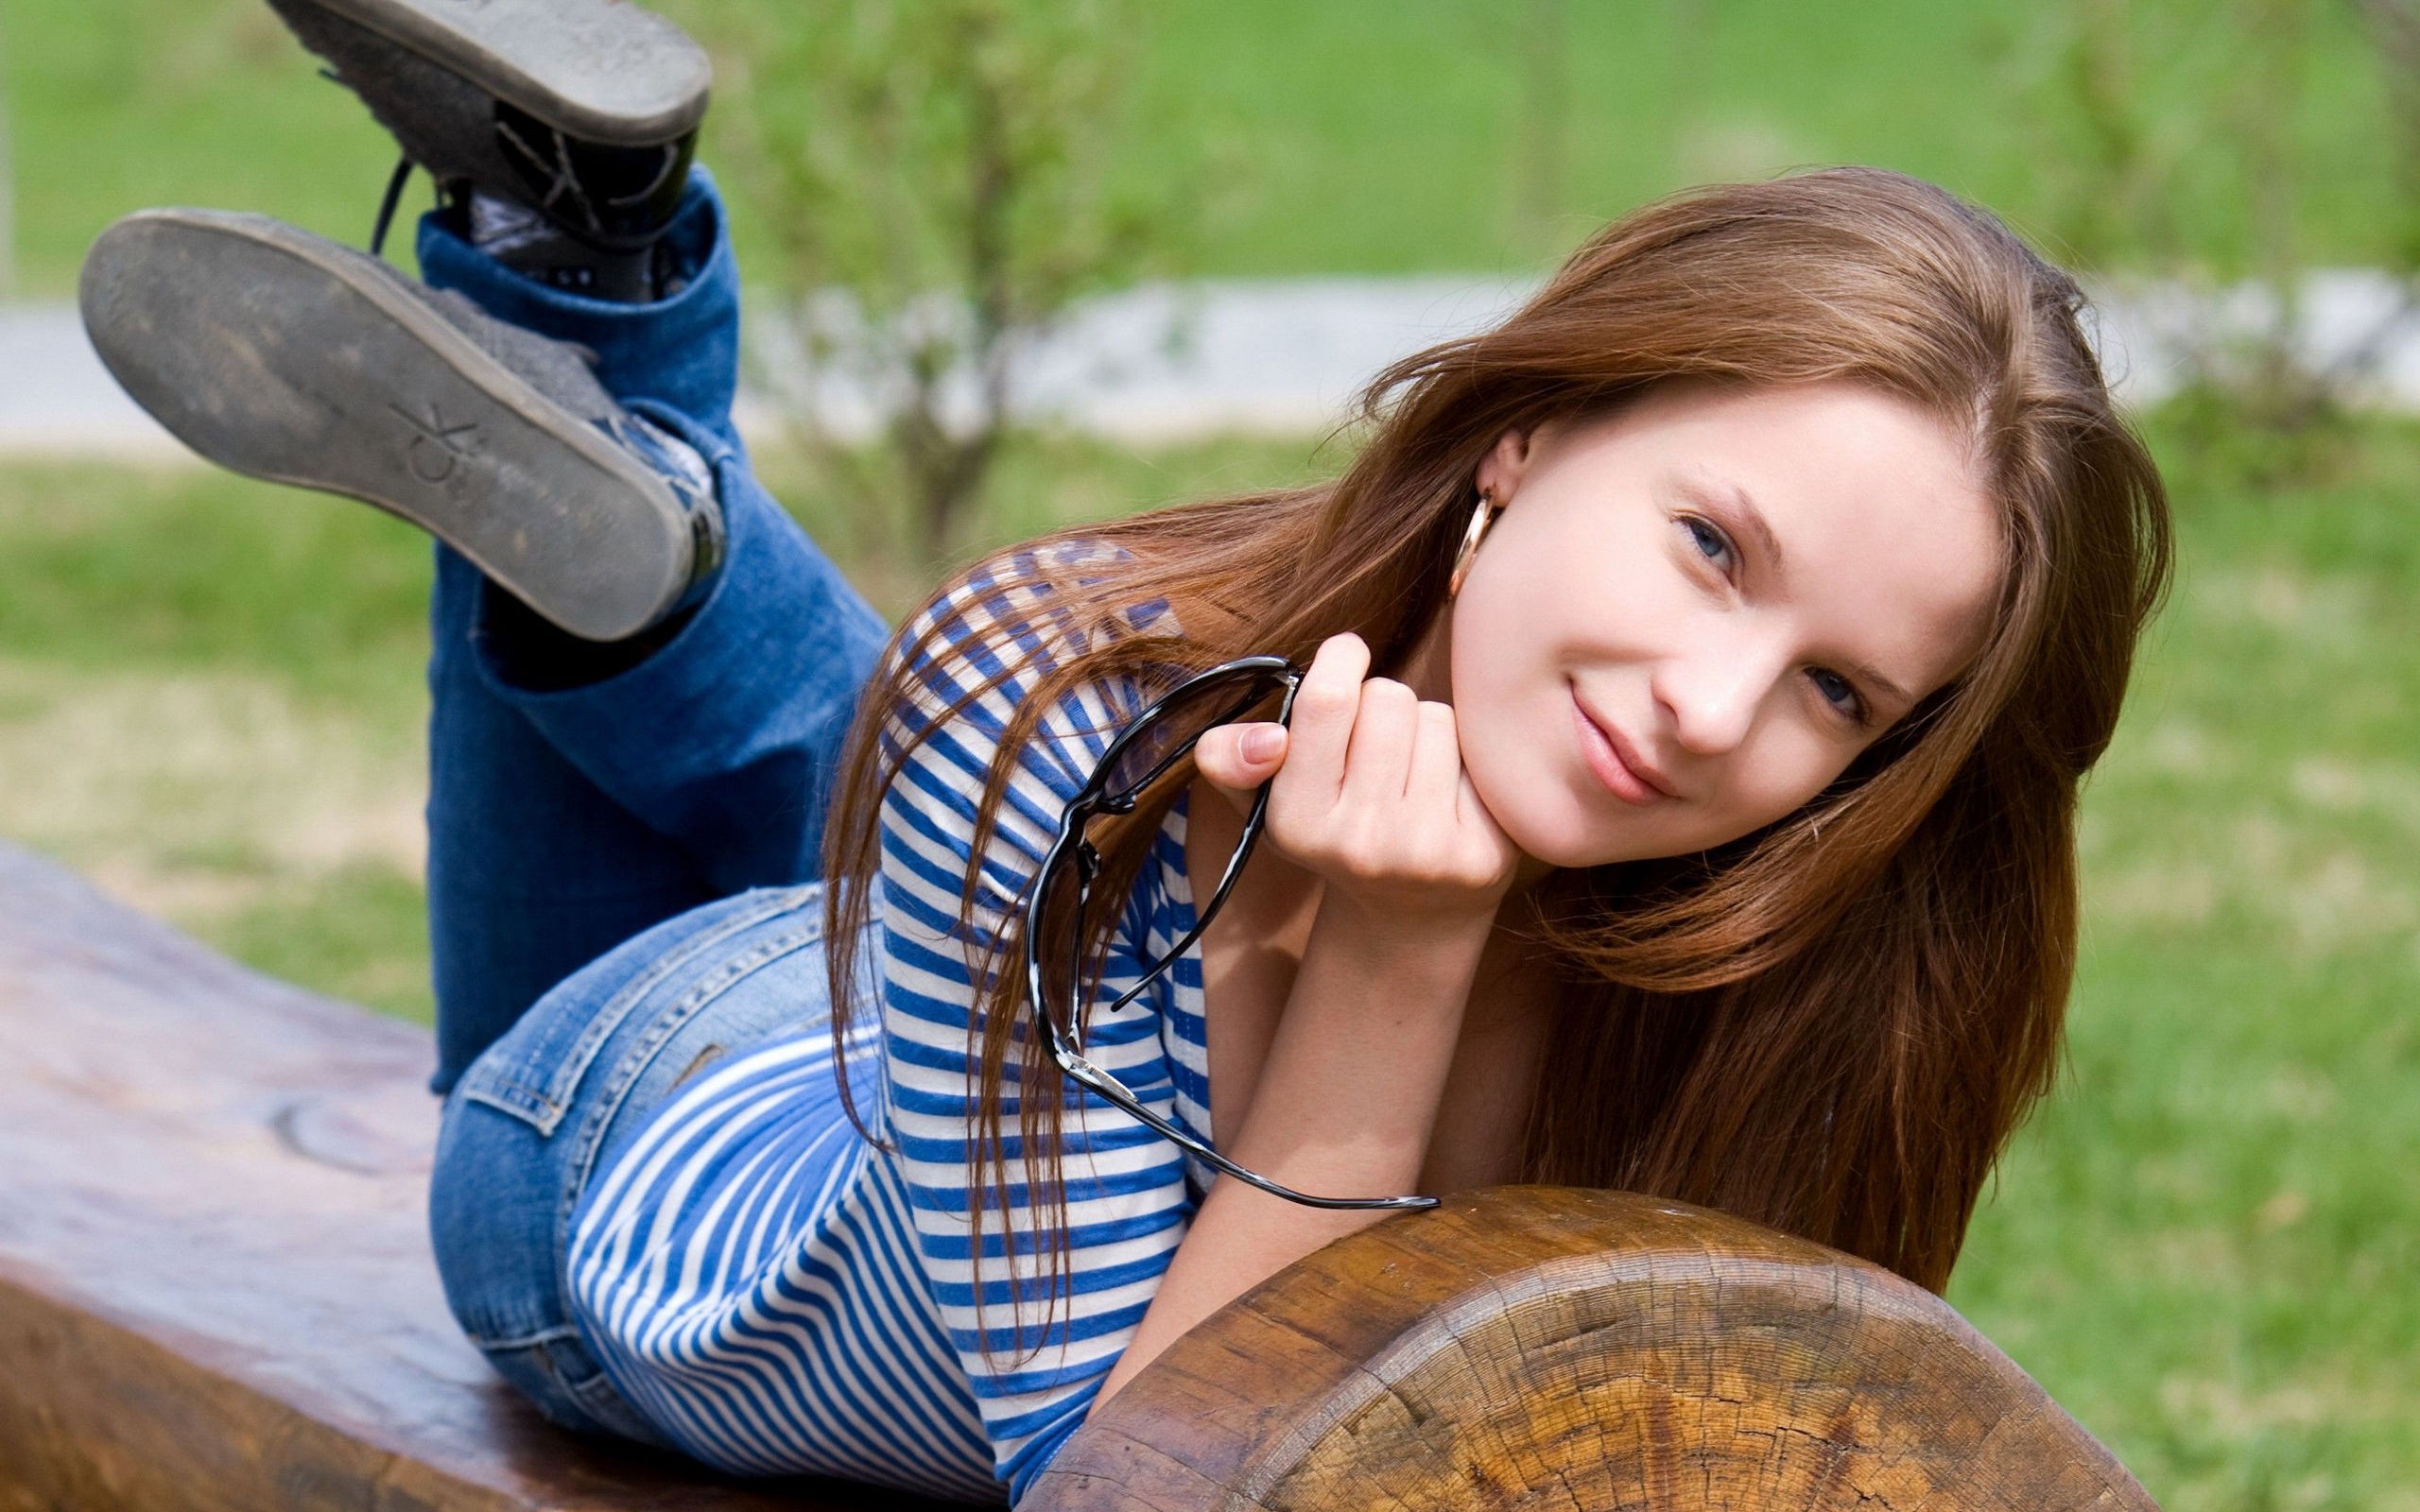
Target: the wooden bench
pixel 215 1293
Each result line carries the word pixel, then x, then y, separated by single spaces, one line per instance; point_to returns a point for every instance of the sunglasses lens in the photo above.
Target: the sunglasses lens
pixel 1178 721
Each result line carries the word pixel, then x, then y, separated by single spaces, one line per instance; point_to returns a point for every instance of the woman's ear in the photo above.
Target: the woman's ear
pixel 1500 471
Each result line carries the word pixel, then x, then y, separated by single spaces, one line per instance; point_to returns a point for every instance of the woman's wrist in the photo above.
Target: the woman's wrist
pixel 1400 939
pixel 1346 1104
pixel 1357 1066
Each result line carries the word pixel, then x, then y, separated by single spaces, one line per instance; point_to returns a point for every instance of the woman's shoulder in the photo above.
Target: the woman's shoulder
pixel 1000 627
pixel 1020 598
pixel 963 717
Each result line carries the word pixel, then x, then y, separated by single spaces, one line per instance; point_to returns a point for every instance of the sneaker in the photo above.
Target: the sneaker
pixel 287 356
pixel 580 116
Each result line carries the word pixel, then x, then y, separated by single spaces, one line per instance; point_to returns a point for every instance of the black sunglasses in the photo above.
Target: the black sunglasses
pixel 1142 754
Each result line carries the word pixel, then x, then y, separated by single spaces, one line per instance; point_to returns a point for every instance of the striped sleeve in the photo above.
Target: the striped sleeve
pixel 1128 1204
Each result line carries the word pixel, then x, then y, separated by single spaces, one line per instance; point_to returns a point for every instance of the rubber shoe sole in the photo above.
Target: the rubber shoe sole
pixel 603 71
pixel 287 358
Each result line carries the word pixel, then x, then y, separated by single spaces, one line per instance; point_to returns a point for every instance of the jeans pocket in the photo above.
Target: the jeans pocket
pixel 534 1072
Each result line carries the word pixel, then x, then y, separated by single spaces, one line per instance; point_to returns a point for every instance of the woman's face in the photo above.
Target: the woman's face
pixel 1692 614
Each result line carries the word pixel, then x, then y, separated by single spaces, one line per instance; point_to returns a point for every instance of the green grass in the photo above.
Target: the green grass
pixel 211 690
pixel 1349 136
pixel 2205 1245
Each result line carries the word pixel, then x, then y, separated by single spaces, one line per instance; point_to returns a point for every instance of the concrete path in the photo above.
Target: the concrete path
pixel 56 399
pixel 1169 362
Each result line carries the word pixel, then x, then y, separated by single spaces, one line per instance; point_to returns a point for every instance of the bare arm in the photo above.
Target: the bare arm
pixel 1372 797
pixel 1346 1104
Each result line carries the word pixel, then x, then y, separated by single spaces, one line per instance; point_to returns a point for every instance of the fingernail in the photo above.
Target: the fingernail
pixel 1262 743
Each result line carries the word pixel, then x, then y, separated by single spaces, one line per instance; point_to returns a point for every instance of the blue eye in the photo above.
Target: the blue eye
pixel 1711 544
pixel 1838 692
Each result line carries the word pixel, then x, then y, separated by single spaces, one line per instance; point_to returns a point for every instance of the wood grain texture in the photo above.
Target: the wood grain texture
pixel 1545 1348
pixel 216 1286
pixel 216 1293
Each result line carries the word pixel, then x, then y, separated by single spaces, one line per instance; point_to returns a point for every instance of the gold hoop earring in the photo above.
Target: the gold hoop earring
pixel 1481 518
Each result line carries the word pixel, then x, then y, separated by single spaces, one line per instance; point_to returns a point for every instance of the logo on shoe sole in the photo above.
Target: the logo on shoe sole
pixel 439 447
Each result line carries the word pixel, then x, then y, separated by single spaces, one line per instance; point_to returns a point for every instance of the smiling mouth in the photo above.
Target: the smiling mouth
pixel 1620 775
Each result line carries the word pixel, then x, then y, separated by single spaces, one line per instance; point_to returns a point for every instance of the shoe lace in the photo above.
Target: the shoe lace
pixel 386 206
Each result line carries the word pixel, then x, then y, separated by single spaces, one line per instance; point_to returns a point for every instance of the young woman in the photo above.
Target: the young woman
pixel 1698 671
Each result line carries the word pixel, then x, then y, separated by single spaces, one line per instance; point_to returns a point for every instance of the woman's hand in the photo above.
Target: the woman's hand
pixel 1368 794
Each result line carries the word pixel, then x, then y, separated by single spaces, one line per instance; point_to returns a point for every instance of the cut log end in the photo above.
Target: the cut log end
pixel 1545 1348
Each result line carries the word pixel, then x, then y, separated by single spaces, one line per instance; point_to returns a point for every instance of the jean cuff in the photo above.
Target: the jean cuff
pixel 682 351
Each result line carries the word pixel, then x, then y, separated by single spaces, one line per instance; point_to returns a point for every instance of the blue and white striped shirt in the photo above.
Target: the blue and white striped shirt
pixel 779 1296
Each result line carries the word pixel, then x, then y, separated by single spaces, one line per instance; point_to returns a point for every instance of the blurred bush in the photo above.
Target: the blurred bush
pixel 936 177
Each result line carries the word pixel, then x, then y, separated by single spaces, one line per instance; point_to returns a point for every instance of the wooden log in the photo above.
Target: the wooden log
pixel 216 1286
pixel 215 1293
pixel 1545 1348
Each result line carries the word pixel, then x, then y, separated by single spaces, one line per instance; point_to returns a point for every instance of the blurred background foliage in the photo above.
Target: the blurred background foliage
pixel 1388 135
pixel 2205 1245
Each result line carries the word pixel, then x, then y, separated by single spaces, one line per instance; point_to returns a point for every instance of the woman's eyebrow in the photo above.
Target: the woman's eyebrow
pixel 1883 685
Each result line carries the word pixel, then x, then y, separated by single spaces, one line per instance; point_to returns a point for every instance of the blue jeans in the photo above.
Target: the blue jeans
pixel 622 872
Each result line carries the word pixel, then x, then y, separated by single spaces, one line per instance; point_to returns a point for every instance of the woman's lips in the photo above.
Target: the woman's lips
pixel 1606 759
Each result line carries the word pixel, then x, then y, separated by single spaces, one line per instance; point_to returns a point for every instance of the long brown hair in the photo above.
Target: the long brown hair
pixel 1833 1024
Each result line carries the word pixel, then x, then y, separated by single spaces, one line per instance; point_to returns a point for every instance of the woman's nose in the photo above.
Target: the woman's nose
pixel 1712 697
